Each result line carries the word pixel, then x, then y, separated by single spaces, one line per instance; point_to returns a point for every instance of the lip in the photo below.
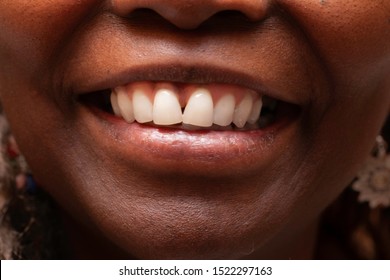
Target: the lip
pixel 205 153
pixel 162 149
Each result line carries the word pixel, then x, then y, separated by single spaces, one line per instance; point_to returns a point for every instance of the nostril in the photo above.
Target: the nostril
pixel 148 16
pixel 190 14
pixel 229 18
pixel 229 21
pixel 143 16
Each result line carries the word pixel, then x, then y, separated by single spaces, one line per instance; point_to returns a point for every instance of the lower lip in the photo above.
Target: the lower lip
pixel 196 152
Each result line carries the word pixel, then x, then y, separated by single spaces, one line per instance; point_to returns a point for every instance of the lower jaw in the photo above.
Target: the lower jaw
pixel 204 152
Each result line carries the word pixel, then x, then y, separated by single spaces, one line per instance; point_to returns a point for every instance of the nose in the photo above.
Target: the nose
pixel 189 14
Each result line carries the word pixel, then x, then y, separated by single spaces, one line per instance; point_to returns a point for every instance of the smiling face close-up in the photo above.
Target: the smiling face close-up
pixel 141 118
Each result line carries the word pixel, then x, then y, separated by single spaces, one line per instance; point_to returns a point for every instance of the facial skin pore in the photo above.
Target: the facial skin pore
pixel 331 58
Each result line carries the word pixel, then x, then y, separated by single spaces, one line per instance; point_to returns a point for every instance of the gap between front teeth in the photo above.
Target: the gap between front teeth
pixel 200 106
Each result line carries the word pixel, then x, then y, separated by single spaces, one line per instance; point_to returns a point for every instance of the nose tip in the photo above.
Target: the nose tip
pixel 189 14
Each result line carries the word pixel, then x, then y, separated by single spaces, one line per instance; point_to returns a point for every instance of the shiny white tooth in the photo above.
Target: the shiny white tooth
pixel 199 109
pixel 125 104
pixel 242 111
pixel 166 108
pixel 256 110
pixel 224 110
pixel 114 104
pixel 143 107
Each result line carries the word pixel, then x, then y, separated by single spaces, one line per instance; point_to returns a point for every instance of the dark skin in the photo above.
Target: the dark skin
pixel 131 196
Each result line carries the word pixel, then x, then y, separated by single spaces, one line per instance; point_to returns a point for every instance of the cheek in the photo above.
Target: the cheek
pixel 30 33
pixel 45 138
pixel 352 40
pixel 352 37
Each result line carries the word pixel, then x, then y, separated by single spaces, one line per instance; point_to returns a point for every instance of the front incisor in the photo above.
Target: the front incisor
pixel 199 109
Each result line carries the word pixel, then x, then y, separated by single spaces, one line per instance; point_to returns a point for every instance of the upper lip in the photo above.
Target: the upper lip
pixel 182 73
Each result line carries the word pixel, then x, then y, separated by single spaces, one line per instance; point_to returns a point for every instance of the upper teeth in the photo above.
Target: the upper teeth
pixel 203 105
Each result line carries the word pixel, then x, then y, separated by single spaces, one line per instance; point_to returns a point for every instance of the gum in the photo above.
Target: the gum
pixel 184 91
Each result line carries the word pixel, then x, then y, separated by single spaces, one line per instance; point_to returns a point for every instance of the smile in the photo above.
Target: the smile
pixel 189 125
pixel 189 106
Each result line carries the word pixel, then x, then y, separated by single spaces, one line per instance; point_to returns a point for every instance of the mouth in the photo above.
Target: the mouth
pixel 218 107
pixel 186 126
